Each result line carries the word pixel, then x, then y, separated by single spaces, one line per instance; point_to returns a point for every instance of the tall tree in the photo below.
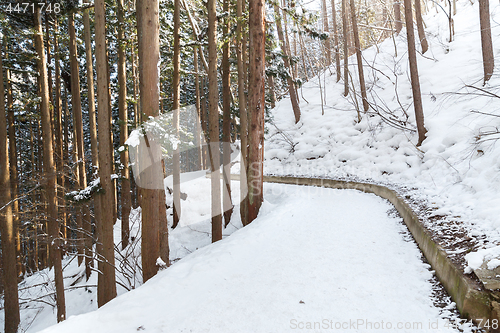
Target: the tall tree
pixel 326 29
pixel 152 202
pixel 256 106
pixel 176 85
pixel 227 203
pixel 122 106
pixel 420 27
pixel 359 58
pixel 415 82
pixel 397 15
pixel 213 117
pixel 345 32
pixel 286 59
pixel 336 40
pixel 92 112
pixel 486 44
pixel 7 226
pixel 49 170
pixel 106 290
pixel 242 105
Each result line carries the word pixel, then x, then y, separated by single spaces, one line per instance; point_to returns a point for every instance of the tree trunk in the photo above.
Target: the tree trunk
pixel 397 16
pixel 153 209
pixel 326 29
pixel 346 47
pixel 227 203
pixel 122 106
pixel 256 105
pixel 336 35
pixel 106 290
pixel 58 126
pixel 82 211
pixel 242 104
pixel 420 27
pixel 415 83
pixel 14 180
pixel 286 59
pixel 486 44
pixel 8 234
pixel 49 171
pixel 176 168
pixel 359 58
pixel 213 116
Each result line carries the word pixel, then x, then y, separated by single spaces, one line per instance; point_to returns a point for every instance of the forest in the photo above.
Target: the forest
pixel 105 106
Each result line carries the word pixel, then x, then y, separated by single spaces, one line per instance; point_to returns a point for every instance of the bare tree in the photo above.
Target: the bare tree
pixel 398 24
pixel 176 106
pixel 345 32
pixel 415 82
pixel 336 44
pixel 420 27
pixel 326 29
pixel 359 58
pixel 486 43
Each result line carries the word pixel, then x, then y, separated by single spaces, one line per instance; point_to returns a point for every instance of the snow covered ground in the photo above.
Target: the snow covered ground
pixel 319 258
pixel 455 175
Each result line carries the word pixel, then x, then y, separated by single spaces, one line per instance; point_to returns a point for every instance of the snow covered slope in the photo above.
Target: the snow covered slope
pixel 328 265
pixel 456 171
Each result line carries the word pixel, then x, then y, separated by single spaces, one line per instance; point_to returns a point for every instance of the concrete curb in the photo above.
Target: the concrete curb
pixel 473 301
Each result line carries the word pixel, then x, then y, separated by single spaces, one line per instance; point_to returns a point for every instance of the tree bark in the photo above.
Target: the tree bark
pixel 227 203
pixel 359 58
pixel 122 106
pixel 49 171
pixel 213 116
pixel 153 208
pixel 486 44
pixel 11 298
pixel 256 105
pixel 415 82
pixel 106 290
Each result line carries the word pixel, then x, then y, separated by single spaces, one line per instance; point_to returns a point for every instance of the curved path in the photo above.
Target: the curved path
pixel 316 260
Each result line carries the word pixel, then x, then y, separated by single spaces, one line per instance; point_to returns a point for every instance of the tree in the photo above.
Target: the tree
pixel 286 59
pixel 359 58
pixel 227 203
pixel 213 117
pixel 415 82
pixel 336 44
pixel 176 176
pixel 106 290
pixel 49 170
pixel 242 105
pixel 397 16
pixel 326 29
pixel 152 202
pixel 420 27
pixel 346 45
pixel 11 298
pixel 122 106
pixel 486 44
pixel 256 106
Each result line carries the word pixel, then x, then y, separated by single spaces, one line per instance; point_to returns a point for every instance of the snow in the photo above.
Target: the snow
pixel 454 174
pixel 330 263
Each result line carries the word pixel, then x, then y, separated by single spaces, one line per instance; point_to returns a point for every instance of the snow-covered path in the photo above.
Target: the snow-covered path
pixel 315 258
